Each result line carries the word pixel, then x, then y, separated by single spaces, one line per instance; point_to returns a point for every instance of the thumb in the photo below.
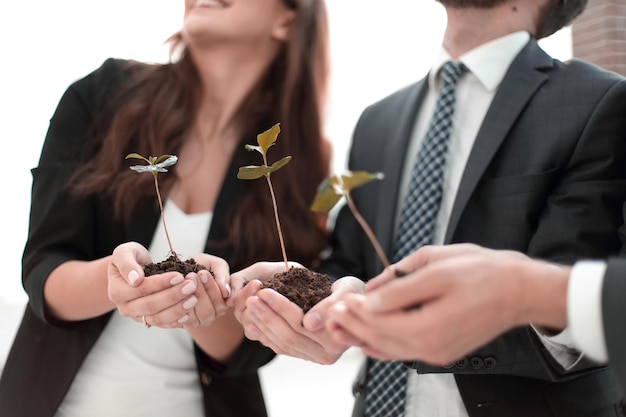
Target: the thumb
pixel 129 258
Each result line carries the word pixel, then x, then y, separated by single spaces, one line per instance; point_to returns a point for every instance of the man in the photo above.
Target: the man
pixel 535 162
pixel 453 319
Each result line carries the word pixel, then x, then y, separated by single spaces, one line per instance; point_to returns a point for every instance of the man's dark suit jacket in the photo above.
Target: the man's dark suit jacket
pixel 46 354
pixel 546 176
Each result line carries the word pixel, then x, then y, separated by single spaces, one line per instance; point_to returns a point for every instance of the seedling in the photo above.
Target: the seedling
pixel 332 189
pixel 155 165
pixel 266 140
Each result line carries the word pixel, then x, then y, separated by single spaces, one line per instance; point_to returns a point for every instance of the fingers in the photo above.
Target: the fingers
pixel 211 303
pixel 337 331
pixel 316 317
pixel 384 277
pixel 409 292
pixel 219 270
pixel 424 256
pixel 168 299
pixel 164 298
pixel 128 260
pixel 411 263
pixel 259 271
pixel 275 321
pixel 383 336
pixel 239 297
pixel 350 324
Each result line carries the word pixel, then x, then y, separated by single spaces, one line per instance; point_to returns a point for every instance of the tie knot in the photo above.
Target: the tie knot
pixel 451 71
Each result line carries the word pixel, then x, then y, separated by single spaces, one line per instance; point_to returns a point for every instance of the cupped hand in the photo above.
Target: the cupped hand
pixel 434 312
pixel 280 324
pixel 160 300
pixel 212 292
pixel 260 271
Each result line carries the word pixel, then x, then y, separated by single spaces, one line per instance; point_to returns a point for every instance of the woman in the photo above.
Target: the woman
pixel 240 67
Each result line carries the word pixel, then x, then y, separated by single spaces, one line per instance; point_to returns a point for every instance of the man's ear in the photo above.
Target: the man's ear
pixel 282 30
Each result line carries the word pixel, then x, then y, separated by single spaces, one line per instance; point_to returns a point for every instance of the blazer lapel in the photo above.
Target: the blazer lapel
pixel 393 163
pixel 526 74
pixel 231 194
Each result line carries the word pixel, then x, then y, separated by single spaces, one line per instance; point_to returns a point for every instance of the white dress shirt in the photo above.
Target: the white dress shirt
pixel 584 309
pixel 584 334
pixel 431 395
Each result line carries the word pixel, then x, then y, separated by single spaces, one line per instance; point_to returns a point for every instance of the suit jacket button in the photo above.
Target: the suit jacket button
pixel 462 363
pixel 476 362
pixel 448 365
pixel 205 378
pixel 489 362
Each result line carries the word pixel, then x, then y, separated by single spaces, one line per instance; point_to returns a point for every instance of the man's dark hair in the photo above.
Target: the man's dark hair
pixel 558 14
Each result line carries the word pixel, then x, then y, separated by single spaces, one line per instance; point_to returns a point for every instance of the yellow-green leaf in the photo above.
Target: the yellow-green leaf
pixel 281 163
pixel 252 172
pixel 268 138
pixel 136 156
pixel 354 179
pixel 330 191
pixel 327 196
pixel 162 158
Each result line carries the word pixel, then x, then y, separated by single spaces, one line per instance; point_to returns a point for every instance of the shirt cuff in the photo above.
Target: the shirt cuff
pixel 584 308
pixel 562 347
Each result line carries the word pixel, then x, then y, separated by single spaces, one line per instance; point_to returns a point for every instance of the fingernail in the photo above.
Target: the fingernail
pixel 314 319
pixel 133 276
pixel 177 279
pixel 190 302
pixel 183 318
pixel 204 276
pixel 189 288
pixel 229 290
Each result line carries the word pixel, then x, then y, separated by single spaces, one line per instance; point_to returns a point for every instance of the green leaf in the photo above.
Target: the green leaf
pixel 268 138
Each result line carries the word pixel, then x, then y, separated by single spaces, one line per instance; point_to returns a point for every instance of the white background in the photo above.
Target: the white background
pixel 376 48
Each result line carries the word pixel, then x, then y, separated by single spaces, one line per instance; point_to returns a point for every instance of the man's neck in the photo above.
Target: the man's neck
pixel 469 28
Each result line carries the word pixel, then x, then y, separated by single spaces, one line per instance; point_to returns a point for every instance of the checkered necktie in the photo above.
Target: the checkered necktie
pixel 386 382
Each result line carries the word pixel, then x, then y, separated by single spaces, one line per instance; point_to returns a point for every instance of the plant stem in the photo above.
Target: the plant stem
pixel 367 230
pixel 280 233
pixel 167 235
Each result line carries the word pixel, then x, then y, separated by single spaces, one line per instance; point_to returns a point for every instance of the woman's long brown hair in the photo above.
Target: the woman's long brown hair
pixel 151 115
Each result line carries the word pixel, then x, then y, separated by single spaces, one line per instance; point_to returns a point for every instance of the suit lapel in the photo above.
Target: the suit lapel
pixel 526 74
pixel 394 157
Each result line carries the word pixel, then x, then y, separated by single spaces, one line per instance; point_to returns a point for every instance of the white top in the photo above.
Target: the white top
pixel 140 372
pixel 437 394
